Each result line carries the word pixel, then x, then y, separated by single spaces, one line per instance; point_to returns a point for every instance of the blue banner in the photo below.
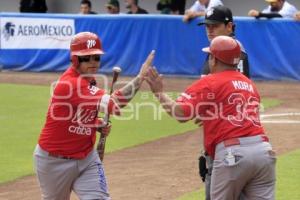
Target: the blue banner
pixel 272 45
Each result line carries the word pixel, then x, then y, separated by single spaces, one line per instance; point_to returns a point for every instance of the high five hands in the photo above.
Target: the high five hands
pixel 147 65
pixel 155 81
pixel 150 74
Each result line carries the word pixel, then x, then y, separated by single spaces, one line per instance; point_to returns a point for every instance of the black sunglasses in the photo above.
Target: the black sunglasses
pixel 88 58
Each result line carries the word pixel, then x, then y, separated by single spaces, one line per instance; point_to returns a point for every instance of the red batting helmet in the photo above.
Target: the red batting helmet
pixel 85 43
pixel 225 49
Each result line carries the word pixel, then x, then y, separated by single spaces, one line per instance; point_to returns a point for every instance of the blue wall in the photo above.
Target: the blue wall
pixel 272 45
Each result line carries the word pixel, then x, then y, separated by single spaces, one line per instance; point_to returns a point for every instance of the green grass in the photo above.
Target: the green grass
pixel 288 179
pixel 196 195
pixel 288 176
pixel 268 103
pixel 22 114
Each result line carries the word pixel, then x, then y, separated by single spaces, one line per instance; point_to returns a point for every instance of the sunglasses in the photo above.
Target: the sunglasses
pixel 89 58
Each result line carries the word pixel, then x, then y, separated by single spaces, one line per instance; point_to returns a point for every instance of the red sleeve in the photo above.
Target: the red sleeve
pixel 195 100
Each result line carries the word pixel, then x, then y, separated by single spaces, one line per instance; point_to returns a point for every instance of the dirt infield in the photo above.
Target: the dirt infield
pixel 166 168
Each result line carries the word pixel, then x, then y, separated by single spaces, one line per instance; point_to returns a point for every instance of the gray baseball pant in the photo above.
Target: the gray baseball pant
pixel 58 177
pixel 209 164
pixel 252 173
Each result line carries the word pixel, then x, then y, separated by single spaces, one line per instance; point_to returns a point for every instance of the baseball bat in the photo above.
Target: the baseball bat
pixel 102 139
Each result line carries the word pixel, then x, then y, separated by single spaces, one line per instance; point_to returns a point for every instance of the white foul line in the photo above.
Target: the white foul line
pixel 280 121
pixel 280 115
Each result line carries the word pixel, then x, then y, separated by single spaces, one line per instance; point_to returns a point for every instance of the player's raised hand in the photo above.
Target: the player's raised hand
pixel 147 64
pixel 154 80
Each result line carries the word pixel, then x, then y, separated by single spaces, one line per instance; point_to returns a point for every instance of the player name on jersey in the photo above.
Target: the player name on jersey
pixel 242 85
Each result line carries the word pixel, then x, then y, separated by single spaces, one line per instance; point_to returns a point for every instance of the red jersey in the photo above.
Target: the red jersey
pixel 227 103
pixel 72 116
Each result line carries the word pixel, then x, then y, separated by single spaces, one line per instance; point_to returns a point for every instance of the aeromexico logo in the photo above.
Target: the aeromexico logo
pixel 10 30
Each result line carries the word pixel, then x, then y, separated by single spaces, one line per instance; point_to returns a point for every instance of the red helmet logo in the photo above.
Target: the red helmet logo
pixel 91 43
pixel 86 43
pixel 225 49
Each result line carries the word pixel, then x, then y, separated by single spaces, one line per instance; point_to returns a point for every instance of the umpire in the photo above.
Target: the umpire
pixel 218 21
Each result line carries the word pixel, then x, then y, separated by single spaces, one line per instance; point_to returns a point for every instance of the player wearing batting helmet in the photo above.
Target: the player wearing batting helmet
pixel 65 158
pixel 218 21
pixel 228 104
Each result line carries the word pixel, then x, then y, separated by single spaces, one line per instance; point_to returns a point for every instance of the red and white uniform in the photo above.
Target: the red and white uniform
pixel 72 116
pixel 228 104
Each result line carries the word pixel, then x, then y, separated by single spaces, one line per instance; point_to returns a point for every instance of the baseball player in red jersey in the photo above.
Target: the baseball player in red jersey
pixel 228 104
pixel 218 21
pixel 65 158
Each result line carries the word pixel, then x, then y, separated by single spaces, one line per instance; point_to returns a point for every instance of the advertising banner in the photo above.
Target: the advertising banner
pixel 36 33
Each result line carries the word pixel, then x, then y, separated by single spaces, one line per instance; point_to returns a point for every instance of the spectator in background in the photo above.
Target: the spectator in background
pixel 199 8
pixel 33 6
pixel 164 6
pixel 171 6
pixel 178 7
pixel 133 7
pixel 113 7
pixel 276 8
pixel 86 7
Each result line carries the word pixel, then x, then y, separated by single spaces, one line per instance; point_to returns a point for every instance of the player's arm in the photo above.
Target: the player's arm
pixel 126 94
pixel 173 108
